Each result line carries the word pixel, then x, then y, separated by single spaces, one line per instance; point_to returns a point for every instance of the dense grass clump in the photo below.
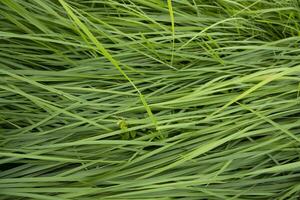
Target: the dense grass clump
pixel 149 99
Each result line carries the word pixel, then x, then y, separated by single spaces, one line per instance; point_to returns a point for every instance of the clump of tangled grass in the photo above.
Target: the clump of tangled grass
pixel 149 99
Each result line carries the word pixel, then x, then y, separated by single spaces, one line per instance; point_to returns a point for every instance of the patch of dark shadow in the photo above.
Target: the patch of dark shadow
pixel 114 49
pixel 8 166
pixel 151 148
pixel 7 126
pixel 293 116
pixel 184 62
pixel 184 198
pixel 257 137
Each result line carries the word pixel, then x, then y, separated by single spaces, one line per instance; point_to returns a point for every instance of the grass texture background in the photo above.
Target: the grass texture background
pixel 149 99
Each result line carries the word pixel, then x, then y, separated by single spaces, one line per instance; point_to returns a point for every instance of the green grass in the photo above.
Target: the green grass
pixel 161 100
